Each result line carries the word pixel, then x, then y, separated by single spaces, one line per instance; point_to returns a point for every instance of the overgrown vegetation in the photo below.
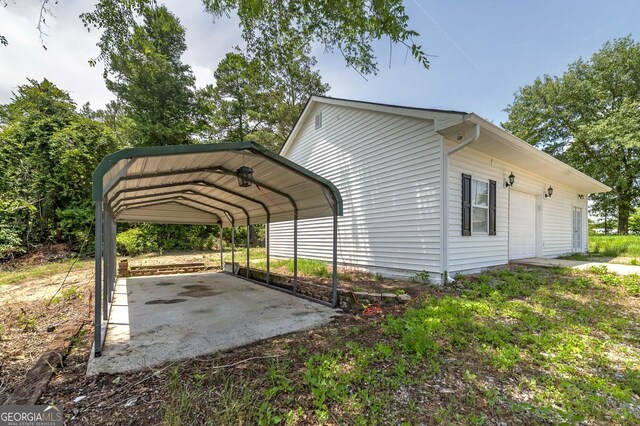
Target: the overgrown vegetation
pixel 615 245
pixel 536 345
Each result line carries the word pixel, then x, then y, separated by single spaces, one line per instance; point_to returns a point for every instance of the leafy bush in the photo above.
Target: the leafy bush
pixel 135 241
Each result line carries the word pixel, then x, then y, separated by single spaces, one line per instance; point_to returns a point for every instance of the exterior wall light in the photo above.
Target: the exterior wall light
pixel 549 192
pixel 511 180
pixel 245 176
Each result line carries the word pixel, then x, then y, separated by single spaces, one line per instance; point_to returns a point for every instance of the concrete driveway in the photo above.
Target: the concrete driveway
pixel 173 317
pixel 617 268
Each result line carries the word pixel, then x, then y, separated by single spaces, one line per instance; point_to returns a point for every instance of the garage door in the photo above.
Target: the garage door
pixel 522 225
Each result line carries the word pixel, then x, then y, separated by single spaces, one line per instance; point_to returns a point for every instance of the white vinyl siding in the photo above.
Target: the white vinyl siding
pixel 387 168
pixel 553 221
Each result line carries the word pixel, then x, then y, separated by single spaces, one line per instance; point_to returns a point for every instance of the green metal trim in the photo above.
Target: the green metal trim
pixel 155 151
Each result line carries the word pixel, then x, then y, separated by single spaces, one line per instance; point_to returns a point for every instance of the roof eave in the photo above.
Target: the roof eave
pixel 596 186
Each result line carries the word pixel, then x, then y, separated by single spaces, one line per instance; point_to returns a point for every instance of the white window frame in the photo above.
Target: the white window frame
pixel 479 206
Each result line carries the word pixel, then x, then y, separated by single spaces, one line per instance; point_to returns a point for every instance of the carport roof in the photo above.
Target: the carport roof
pixel 197 184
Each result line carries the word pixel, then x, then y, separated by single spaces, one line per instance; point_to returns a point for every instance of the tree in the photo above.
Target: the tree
pixel 47 156
pixel 350 26
pixel 590 118
pixel 239 98
pixel 251 101
pixel 155 88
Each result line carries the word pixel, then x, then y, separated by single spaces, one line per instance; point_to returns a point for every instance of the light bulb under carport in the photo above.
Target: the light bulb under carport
pixel 245 176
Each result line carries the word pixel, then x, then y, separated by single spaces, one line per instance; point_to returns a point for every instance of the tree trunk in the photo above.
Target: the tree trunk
pixel 624 211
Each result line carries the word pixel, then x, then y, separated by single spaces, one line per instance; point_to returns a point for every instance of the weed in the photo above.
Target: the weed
pixel 399 291
pixel 598 269
pixel 68 293
pixel 27 322
pixel 379 276
pixel 422 278
pixel 634 262
pixel 632 284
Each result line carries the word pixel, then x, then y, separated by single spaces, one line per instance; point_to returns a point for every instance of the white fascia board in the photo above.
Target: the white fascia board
pixel 515 142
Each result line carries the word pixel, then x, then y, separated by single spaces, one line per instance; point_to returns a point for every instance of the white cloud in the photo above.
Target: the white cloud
pixel 70 46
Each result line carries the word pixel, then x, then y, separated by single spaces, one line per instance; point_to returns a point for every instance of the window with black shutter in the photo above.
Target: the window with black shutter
pixel 478 206
pixel 466 204
pixel 492 207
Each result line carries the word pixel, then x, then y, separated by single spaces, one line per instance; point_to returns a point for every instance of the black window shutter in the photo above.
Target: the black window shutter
pixel 492 207
pixel 466 205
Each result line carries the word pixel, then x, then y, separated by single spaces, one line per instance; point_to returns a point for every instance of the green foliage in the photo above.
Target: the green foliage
pixel 589 118
pixel 156 89
pixel 48 154
pixel 266 106
pixel 271 28
pixel 135 241
pixel 422 278
pixel 615 245
pixel 149 238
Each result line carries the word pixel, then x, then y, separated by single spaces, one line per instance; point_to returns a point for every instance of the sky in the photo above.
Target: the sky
pixel 483 50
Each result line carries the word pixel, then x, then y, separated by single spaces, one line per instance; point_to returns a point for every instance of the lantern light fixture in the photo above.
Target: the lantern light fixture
pixel 510 180
pixel 245 176
pixel 549 192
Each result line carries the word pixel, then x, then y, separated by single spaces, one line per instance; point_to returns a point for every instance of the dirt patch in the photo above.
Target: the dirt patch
pixel 38 256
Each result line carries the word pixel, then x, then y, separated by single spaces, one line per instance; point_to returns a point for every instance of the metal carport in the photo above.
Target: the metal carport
pixel 199 184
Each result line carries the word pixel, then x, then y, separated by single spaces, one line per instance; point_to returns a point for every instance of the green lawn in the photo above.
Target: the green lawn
pixel 533 345
pixel 615 245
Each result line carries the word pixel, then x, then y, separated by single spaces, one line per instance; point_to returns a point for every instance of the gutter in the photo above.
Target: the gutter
pixel 445 196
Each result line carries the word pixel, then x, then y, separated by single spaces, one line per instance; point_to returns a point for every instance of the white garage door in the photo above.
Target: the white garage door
pixel 522 225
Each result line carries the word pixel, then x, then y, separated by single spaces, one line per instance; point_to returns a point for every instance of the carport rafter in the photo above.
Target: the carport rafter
pixel 188 192
pixel 178 200
pixel 196 183
pixel 147 203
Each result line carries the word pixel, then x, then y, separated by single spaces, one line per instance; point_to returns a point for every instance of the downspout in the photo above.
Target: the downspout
pixel 445 197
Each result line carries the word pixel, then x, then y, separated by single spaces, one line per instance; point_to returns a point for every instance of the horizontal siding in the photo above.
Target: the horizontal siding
pixel 553 215
pixel 387 169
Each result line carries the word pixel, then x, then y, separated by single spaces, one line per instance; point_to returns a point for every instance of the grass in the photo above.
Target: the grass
pixel 30 272
pixel 258 256
pixel 615 245
pixel 536 345
pixel 308 267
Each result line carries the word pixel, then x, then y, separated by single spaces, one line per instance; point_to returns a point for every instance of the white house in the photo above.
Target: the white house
pixel 428 190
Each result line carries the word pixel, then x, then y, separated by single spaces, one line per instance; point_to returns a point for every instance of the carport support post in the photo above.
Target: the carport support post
pixel 266 243
pixel 233 249
pixel 248 244
pixel 334 295
pixel 221 264
pixel 295 251
pixel 98 275
pixel 106 232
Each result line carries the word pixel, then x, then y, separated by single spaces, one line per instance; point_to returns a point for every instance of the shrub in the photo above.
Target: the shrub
pixel 135 241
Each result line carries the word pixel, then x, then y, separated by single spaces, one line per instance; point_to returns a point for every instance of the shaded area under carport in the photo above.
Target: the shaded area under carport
pixel 159 319
pixel 224 184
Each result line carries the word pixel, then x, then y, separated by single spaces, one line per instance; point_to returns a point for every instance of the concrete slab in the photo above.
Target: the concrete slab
pixel 617 268
pixel 172 317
